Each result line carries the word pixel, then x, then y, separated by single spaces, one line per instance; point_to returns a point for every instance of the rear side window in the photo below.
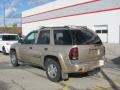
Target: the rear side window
pixel 62 37
pixel 9 37
pixel 85 37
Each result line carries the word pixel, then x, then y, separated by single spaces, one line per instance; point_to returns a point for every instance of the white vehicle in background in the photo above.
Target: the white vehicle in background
pixel 6 40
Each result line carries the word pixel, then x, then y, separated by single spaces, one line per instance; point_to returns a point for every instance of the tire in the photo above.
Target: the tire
pixel 4 51
pixel 53 70
pixel 13 57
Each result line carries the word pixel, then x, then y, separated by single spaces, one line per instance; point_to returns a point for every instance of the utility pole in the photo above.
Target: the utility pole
pixel 4 7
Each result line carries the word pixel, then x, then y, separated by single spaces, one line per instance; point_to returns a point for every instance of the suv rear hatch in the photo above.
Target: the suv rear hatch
pixel 89 45
pixel 86 45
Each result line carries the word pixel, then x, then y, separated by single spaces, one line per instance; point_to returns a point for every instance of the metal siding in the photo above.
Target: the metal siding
pixel 78 9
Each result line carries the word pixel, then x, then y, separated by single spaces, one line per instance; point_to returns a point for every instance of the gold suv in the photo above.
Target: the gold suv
pixel 60 51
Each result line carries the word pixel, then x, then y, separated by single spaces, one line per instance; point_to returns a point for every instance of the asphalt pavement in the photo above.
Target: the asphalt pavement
pixel 26 77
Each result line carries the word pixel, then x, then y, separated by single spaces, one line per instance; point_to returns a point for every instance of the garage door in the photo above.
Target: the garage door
pixel 102 31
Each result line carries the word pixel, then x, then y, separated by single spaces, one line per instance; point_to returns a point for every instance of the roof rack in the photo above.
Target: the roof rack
pixel 72 26
pixel 69 26
pixel 42 27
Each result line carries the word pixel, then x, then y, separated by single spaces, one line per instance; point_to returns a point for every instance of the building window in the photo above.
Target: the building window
pixel 104 31
pixel 98 31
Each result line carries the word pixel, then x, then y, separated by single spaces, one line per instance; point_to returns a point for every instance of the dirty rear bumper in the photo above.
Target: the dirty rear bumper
pixel 83 67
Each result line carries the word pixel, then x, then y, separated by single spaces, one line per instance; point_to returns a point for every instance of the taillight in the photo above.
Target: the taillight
pixel 73 54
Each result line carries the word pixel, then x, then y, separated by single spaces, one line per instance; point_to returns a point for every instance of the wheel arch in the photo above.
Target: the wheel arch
pixel 12 49
pixel 55 58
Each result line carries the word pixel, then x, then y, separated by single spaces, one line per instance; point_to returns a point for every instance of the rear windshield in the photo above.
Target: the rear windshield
pixel 9 37
pixel 72 37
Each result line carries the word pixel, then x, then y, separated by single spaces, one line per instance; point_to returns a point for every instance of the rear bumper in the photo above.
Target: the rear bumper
pixel 83 67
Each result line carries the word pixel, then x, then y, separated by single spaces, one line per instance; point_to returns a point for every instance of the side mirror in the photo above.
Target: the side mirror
pixel 20 41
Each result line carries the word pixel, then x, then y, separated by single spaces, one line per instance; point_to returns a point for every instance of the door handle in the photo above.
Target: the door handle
pixel 30 47
pixel 45 49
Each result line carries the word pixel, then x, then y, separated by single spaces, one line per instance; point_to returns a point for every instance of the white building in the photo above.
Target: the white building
pixel 102 16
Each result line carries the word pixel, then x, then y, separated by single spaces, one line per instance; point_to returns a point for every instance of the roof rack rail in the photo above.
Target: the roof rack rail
pixel 66 26
pixel 42 27
pixel 73 26
pixel 69 26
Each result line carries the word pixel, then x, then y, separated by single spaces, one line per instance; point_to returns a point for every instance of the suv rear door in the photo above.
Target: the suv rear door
pixel 42 46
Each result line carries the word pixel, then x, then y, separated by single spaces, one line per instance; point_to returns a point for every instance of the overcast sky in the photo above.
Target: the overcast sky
pixel 15 7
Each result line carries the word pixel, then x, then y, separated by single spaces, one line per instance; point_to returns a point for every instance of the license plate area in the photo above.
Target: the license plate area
pixel 94 51
pixel 101 62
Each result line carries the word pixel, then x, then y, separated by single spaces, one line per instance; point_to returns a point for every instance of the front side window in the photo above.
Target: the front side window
pixel 44 37
pixel 30 39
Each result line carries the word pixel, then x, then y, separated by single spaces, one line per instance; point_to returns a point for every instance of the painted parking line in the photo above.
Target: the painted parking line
pixel 117 81
pixel 100 88
pixel 67 84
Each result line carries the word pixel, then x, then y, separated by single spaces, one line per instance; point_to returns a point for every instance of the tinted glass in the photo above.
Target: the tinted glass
pixel 44 37
pixel 72 37
pixel 9 37
pixel 62 37
pixel 104 31
pixel 84 37
pixel 30 39
pixel 98 31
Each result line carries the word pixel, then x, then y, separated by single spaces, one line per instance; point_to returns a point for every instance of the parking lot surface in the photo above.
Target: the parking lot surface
pixel 26 77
